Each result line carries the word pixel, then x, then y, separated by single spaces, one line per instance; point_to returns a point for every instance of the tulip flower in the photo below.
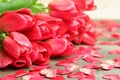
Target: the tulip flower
pixel 63 5
pixel 40 32
pixel 61 47
pixel 19 20
pixel 46 27
pixel 16 44
pixel 41 53
pixel 55 24
pixel 89 38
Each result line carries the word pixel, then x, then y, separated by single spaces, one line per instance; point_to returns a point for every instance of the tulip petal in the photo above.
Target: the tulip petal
pixel 20 73
pixel 34 54
pixel 33 76
pixel 61 5
pixel 21 39
pixel 111 76
pixel 58 78
pixel 43 56
pixel 24 11
pixel 79 4
pixel 5 60
pixel 71 49
pixel 47 18
pixel 49 73
pixel 59 45
pixel 28 61
pixel 38 68
pixel 23 60
pixel 63 72
pixel 19 62
pixel 89 38
pixel 12 22
pixel 11 47
pixel 76 75
pixel 46 31
pixel 63 15
pixel 34 34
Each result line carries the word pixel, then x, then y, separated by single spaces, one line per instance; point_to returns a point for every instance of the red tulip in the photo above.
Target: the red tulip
pixel 61 47
pixel 41 53
pixel 58 45
pixel 64 9
pixel 89 38
pixel 16 44
pixel 55 24
pixel 46 27
pixel 40 32
pixel 16 20
pixel 71 49
pixel 62 5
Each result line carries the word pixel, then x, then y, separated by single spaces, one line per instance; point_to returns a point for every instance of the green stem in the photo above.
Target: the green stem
pixel 2 36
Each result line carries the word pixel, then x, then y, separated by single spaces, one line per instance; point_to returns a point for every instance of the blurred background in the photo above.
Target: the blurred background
pixel 106 9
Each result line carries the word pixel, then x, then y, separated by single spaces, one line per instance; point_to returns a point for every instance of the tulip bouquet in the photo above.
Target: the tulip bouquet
pixel 30 33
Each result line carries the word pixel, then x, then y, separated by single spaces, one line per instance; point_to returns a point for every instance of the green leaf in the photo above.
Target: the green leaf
pixel 34 1
pixel 5 0
pixel 38 8
pixel 6 5
pixel 15 4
